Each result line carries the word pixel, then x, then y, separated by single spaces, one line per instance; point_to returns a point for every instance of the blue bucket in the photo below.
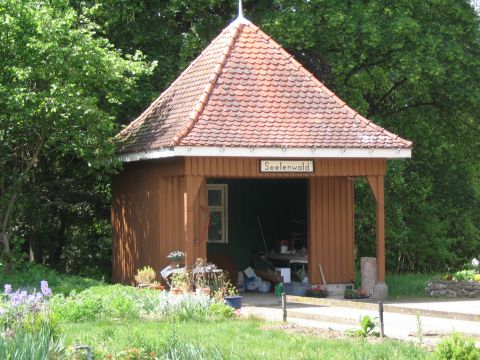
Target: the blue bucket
pixel 234 301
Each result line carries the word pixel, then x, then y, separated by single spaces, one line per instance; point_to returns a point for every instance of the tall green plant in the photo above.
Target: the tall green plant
pixel 60 88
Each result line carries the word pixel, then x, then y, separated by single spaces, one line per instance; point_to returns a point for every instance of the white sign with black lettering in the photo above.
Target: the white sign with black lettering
pixel 286 166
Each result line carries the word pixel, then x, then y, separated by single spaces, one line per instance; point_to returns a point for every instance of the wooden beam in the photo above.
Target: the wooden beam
pixel 192 185
pixel 377 184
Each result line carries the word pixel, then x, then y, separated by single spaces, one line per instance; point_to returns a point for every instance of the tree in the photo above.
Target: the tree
pixel 413 67
pixel 60 88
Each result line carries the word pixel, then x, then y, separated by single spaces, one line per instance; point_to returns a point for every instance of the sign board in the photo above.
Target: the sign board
pixel 286 166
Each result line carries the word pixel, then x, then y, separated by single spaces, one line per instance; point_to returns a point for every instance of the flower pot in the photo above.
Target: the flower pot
pixel 175 264
pixel 176 291
pixel 157 287
pixel 234 301
pixel 203 291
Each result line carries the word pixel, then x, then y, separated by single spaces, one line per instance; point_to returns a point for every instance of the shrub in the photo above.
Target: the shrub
pixel 146 275
pixel 108 301
pixel 221 311
pixel 464 275
pixel 457 347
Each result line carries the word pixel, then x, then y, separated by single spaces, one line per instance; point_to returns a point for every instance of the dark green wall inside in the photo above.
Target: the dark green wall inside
pixel 276 202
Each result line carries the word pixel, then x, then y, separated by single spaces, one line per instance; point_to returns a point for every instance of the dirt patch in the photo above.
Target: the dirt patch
pixel 320 332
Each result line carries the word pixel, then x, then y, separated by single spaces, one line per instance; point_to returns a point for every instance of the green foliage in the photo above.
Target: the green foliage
pixel 457 347
pixel 412 67
pixel 145 275
pixel 408 285
pixel 464 275
pixel 102 302
pixel 39 345
pixel 252 339
pixel 219 310
pixel 127 302
pixel 367 325
pixel 29 275
pixel 60 88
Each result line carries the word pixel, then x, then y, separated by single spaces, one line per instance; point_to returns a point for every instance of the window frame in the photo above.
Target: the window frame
pixel 223 208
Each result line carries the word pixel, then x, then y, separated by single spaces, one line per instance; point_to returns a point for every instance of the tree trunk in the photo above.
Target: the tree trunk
pixel 4 238
pixel 5 241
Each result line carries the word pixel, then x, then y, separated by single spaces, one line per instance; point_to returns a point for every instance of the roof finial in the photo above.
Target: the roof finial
pixel 240 9
pixel 240 19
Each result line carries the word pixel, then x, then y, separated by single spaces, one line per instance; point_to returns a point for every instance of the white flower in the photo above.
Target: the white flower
pixel 475 262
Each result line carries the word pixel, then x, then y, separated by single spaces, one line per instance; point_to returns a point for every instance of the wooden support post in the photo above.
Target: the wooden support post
pixel 192 185
pixel 377 184
pixel 380 230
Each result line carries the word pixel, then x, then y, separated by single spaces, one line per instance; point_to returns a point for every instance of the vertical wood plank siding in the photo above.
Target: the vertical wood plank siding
pixel 147 216
pixel 331 230
pixel 249 167
pixel 148 210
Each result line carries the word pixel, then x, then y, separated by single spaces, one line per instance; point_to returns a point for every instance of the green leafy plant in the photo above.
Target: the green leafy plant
pixel 102 302
pixel 367 325
pixel 464 275
pixel 182 280
pixel 221 311
pixel 41 344
pixel 145 276
pixel 457 347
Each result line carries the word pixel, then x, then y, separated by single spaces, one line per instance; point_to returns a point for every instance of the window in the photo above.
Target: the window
pixel 217 206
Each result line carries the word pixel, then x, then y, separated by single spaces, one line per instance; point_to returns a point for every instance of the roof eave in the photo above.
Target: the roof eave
pixel 268 152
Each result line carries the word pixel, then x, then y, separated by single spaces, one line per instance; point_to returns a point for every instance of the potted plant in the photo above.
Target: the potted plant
pixel 232 298
pixel 181 283
pixel 176 258
pixel 318 291
pixel 200 275
pixel 145 278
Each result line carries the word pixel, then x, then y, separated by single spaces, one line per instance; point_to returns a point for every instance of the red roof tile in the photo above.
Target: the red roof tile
pixel 244 90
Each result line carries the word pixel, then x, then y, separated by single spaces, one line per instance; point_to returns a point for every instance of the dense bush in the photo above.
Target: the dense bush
pixel 457 347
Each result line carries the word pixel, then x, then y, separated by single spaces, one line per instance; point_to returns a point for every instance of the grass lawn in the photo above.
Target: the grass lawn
pixel 408 285
pixel 233 339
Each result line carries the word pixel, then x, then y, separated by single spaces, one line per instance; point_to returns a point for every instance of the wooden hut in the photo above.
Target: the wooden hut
pixel 245 145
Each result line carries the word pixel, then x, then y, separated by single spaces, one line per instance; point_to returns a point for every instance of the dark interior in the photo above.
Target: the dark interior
pixel 281 207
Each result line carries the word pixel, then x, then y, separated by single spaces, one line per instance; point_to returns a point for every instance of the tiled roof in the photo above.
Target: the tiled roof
pixel 245 90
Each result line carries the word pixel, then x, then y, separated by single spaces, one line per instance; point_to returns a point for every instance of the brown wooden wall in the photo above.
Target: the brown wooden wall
pixel 331 229
pixel 249 167
pixel 147 218
pixel 148 211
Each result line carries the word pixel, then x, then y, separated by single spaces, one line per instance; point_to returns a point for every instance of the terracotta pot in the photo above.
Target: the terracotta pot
pixel 203 291
pixel 157 287
pixel 176 291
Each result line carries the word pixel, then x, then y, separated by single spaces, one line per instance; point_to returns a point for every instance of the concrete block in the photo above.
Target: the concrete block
pixel 380 291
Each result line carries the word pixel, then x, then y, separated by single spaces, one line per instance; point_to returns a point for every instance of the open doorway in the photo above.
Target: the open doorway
pixel 252 217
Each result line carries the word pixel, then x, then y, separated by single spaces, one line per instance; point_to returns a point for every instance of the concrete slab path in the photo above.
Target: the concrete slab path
pixel 415 326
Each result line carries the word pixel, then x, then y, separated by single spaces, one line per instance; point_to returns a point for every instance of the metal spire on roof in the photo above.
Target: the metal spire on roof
pixel 240 19
pixel 240 9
